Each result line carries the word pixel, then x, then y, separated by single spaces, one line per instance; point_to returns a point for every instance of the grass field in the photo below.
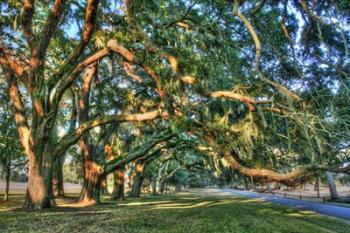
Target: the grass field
pixel 167 213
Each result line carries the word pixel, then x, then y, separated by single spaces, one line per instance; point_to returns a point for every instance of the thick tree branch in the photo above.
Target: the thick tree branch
pixel 241 98
pixel 265 175
pixel 26 21
pixel 14 67
pixel 129 71
pixel 141 152
pixel 254 36
pixel 89 25
pixel 19 113
pixel 63 84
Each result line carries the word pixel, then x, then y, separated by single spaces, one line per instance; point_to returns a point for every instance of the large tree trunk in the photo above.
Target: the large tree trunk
pixel 162 185
pixel 332 186
pixel 39 191
pixel 57 177
pixel 7 179
pixel 92 183
pixel 90 193
pixel 139 178
pixel 118 189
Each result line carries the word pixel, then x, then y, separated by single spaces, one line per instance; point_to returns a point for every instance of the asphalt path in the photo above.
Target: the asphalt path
pixel 330 210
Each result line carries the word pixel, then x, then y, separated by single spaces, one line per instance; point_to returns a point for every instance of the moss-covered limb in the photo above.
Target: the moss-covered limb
pixel 344 169
pixel 132 156
pixel 50 27
pixel 151 48
pixel 282 89
pixel 266 175
pixel 297 175
pixel 72 138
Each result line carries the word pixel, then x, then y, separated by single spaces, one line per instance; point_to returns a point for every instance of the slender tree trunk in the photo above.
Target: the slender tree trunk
pixel 118 189
pixel 154 185
pixel 137 185
pixel 332 186
pixel 7 179
pixel 39 191
pixel 57 177
pixel 317 186
pixel 104 186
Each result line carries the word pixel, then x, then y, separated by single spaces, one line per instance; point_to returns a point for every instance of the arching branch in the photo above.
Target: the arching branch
pixel 63 84
pixel 141 152
pixel 131 58
pixel 73 137
pixel 266 175
pixel 254 36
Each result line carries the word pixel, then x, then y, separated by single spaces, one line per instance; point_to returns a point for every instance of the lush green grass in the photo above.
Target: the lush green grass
pixel 167 213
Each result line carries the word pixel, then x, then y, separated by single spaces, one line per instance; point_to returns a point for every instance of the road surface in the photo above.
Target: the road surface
pixel 330 210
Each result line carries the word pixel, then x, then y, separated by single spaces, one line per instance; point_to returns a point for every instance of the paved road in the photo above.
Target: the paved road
pixel 331 210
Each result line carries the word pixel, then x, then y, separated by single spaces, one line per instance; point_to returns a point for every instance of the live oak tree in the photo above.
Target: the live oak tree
pixel 31 67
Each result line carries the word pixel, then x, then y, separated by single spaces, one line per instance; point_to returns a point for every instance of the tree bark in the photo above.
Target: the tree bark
pixel 104 189
pixel 7 179
pixel 137 185
pixel 162 185
pixel 139 178
pixel 154 185
pixel 118 189
pixel 57 177
pixel 317 186
pixel 90 193
pixel 332 186
pixel 39 191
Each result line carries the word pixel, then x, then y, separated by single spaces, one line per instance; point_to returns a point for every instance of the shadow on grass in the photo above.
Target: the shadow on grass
pixel 175 213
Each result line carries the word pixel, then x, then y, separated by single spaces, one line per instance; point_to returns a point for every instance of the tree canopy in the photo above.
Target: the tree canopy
pixel 260 87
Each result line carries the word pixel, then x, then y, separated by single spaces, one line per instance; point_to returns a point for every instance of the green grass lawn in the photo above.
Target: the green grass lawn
pixel 167 213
